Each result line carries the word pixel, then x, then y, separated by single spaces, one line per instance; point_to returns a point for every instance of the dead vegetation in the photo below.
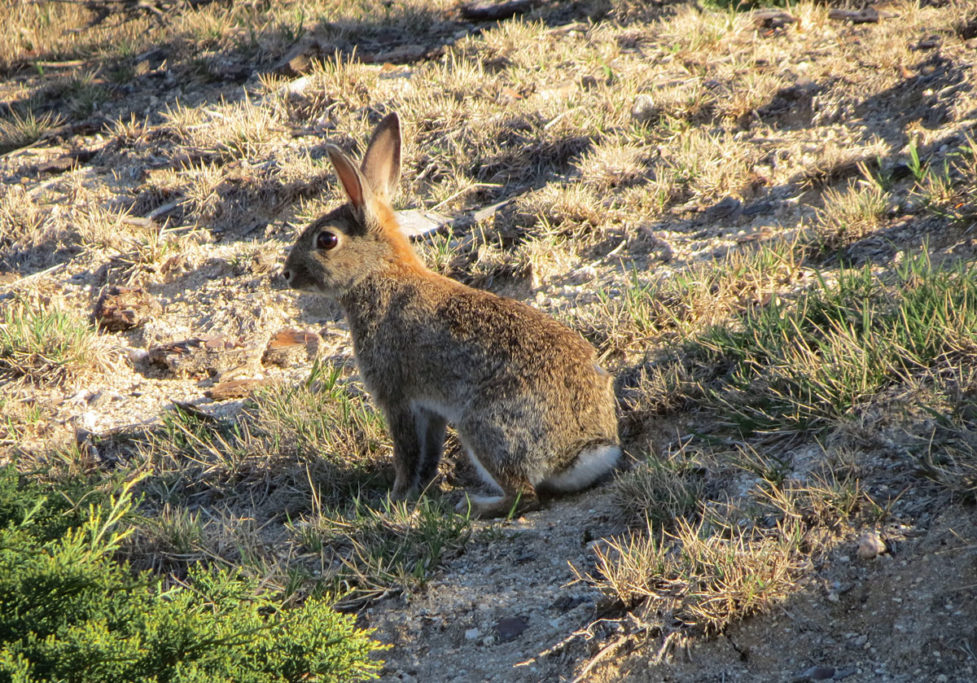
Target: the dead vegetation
pixel 765 227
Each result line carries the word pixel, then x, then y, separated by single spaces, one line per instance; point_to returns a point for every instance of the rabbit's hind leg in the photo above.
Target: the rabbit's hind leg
pixel 516 493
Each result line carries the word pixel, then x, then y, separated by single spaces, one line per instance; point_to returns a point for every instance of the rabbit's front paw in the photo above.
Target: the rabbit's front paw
pixel 401 489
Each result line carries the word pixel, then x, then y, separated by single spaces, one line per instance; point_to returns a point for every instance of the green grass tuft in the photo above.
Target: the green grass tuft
pixel 390 548
pixel 18 130
pixel 793 365
pixel 45 344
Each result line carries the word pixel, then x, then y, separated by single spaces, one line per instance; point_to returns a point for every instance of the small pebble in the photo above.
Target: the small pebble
pixel 815 673
pixel 644 108
pixel 870 545
pixel 510 628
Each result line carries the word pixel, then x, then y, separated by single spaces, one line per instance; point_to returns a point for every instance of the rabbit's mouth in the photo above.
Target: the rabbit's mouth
pixel 310 288
pixel 307 286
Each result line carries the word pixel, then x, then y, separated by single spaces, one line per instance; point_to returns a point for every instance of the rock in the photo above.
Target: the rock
pixel 66 162
pixel 494 11
pixel 510 628
pixel 815 673
pixel 472 634
pixel 870 545
pixel 290 346
pixel 298 60
pixel 773 19
pixel 235 388
pixel 198 357
pixel 644 109
pixel 297 64
pixel 122 308
pixel 296 87
pixel 869 15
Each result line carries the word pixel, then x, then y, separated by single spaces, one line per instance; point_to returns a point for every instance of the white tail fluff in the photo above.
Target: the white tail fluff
pixel 590 466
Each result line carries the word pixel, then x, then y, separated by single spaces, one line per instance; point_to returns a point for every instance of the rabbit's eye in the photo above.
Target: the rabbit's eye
pixel 326 240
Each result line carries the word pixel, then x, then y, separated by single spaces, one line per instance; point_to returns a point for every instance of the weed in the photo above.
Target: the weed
pixel 702 581
pixel 850 214
pixel 46 344
pixel 375 551
pixel 796 365
pixel 949 191
pixel 19 130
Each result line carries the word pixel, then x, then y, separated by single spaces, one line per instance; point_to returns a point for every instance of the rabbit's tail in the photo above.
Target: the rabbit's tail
pixel 591 464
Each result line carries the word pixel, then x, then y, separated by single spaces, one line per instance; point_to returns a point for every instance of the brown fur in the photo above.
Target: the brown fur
pixel 524 392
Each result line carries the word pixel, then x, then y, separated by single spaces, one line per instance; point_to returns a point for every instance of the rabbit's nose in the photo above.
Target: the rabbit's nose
pixel 287 274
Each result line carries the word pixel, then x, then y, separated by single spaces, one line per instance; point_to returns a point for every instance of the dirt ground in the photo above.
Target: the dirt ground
pixel 514 602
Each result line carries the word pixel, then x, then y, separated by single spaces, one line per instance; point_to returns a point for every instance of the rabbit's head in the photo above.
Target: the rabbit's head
pixel 361 237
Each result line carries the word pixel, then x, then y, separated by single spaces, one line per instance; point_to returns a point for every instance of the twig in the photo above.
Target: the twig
pixel 38 274
pixel 559 117
pixel 15 151
pixel 666 645
pixel 150 217
pixel 608 650
pixel 617 249
pixel 469 188
pixel 34 191
pixel 641 628
pixel 69 64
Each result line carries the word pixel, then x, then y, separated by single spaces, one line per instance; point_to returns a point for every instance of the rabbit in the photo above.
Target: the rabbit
pixel 530 404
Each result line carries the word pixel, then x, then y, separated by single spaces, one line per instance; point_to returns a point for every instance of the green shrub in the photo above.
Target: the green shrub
pixel 69 611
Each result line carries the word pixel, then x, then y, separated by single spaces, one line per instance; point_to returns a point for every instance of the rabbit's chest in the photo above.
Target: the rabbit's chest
pixel 385 367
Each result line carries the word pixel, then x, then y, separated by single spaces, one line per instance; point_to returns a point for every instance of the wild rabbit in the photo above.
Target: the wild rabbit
pixel 525 394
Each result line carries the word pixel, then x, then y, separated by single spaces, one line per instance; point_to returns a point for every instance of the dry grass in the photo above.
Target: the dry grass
pixel 662 490
pixel 19 130
pixel 204 155
pixel 292 492
pixel 700 580
pixel 850 214
pixel 372 552
pixel 638 310
pixel 45 343
pixel 699 562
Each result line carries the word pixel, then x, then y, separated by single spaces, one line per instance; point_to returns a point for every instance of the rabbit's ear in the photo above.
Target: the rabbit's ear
pixel 353 182
pixel 381 163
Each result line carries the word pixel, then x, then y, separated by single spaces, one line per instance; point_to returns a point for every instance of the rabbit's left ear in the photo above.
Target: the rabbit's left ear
pixel 356 186
pixel 381 163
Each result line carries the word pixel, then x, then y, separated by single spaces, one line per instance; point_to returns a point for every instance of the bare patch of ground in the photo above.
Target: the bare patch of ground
pixel 673 181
